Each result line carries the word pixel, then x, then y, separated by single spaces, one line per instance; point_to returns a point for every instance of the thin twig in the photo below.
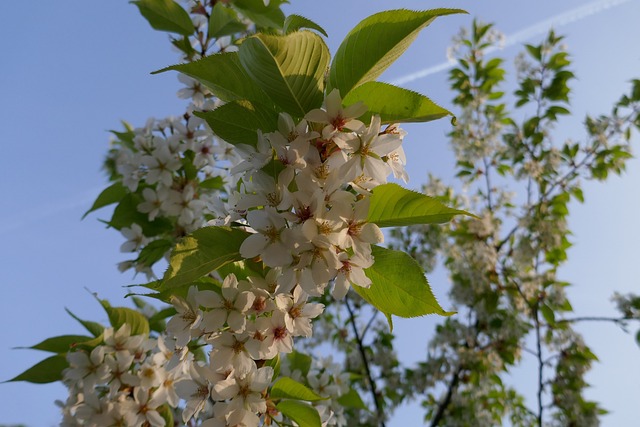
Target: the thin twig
pixel 453 384
pixel 365 362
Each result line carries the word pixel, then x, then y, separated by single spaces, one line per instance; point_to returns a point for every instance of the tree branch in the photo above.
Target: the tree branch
pixel 453 384
pixel 365 362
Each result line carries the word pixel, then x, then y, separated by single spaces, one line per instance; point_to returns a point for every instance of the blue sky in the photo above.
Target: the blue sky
pixel 72 70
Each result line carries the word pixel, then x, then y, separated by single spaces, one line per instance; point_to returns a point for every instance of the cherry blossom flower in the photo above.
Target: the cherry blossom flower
pixel 230 307
pixel 297 312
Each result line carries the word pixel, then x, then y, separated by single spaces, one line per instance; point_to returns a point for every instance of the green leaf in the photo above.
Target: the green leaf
pixel 266 16
pixel 94 328
pixel 47 371
pixel 61 344
pixel 214 183
pixel 375 43
pixel 242 269
pixel 352 399
pixel 224 22
pixel 118 316
pixel 290 68
pixel 127 213
pixel 399 286
pixel 394 104
pixel 275 364
pixel 289 388
pixel 548 314
pixel 154 251
pixel 302 413
pixel 157 321
pixel 299 361
pixel 166 413
pixel 202 252
pixel 238 122
pixel 393 206
pixel 296 22
pixel 112 194
pixel 224 76
pixel 166 15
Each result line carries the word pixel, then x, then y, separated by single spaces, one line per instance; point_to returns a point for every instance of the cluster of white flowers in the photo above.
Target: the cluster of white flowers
pixel 247 323
pixel 309 219
pixel 169 164
pixel 309 229
pixel 126 380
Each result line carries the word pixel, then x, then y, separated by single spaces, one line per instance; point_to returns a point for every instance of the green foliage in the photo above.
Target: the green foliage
pixel 265 16
pixel 289 68
pixel 224 76
pixel 393 206
pixel 303 414
pixel 127 213
pixel 399 286
pixel 299 361
pixel 238 122
pixel 200 253
pixel 297 22
pixel 166 15
pixel 375 43
pixel 111 194
pixel 153 252
pixel 394 104
pixel 60 344
pixel 352 399
pixel 94 328
pixel 224 21
pixel 289 388
pixel 47 371
pixel 118 316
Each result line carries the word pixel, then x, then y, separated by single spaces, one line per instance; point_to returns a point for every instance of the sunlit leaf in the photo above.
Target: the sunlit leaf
pixel 200 253
pixel 395 206
pixel 375 43
pixel 290 68
pixel 394 104
pixel 289 388
pixel 118 316
pixel 399 286
pixel 302 413
pixel 297 22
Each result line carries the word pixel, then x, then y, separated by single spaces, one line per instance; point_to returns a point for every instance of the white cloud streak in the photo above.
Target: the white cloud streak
pixel 525 34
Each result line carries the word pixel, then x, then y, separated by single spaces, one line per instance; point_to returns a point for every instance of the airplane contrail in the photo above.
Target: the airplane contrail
pixel 537 29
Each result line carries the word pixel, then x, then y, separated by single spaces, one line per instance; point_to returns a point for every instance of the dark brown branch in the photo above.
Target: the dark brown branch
pixel 365 362
pixel 442 407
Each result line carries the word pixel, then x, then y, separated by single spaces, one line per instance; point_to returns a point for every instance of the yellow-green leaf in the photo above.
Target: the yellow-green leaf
pixel 394 206
pixel 375 43
pixel 200 253
pixel 394 104
pixel 166 15
pixel 399 286
pixel 289 68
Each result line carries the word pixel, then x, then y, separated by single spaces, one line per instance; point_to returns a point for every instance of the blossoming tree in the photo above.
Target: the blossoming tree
pixel 268 191
pixel 266 197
